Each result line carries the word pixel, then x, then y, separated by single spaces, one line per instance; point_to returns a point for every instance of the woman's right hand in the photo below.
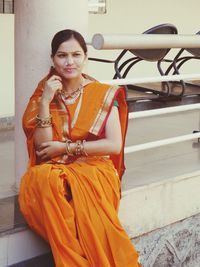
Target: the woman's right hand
pixel 50 150
pixel 52 85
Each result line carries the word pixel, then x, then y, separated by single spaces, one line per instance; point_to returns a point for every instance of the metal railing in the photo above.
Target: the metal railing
pixel 167 141
pixel 151 41
pixel 144 41
pixel 185 77
pixel 162 111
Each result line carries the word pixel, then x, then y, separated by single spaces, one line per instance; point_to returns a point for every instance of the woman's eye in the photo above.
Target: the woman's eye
pixel 77 54
pixel 61 55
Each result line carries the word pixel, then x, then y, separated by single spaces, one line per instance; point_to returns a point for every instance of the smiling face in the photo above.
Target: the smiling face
pixel 69 59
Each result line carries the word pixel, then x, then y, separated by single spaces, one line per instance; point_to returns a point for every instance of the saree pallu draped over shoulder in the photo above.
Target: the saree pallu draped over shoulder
pixel 73 205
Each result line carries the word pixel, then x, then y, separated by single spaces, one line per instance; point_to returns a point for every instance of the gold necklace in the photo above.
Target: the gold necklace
pixel 71 98
pixel 72 94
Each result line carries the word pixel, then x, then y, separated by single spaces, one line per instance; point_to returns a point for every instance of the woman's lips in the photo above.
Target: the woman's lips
pixel 69 69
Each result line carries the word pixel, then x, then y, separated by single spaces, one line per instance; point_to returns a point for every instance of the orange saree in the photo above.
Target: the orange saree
pixel 73 203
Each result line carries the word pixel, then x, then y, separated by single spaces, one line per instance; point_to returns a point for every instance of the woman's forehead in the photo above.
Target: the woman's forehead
pixel 70 45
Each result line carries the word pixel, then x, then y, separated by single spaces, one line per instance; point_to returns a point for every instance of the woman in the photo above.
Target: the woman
pixel 75 136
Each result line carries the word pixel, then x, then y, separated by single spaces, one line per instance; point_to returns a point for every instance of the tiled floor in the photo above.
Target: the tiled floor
pixel 144 91
pixel 162 103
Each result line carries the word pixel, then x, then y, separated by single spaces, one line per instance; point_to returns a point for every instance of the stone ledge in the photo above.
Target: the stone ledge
pixel 45 260
pixel 146 208
pixel 20 247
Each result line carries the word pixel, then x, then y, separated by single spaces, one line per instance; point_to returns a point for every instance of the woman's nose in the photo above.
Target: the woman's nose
pixel 69 61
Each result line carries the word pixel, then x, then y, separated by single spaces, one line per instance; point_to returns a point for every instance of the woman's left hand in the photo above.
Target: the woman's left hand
pixel 51 149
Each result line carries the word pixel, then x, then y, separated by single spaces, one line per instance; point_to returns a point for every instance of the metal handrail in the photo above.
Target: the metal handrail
pixel 163 142
pixel 144 41
pixel 159 143
pixel 186 77
pixel 161 111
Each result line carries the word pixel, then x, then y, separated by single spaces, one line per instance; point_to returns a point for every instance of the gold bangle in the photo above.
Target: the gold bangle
pixel 44 122
pixel 68 150
pixel 78 148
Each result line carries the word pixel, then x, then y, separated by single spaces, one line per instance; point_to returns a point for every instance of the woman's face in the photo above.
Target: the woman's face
pixel 69 59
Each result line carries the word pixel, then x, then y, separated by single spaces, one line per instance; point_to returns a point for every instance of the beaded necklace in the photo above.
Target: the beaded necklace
pixel 70 98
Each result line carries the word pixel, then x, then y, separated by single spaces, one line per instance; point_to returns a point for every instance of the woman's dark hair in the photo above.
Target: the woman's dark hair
pixel 66 35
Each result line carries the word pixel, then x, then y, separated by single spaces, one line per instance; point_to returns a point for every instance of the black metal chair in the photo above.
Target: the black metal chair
pixel 122 68
pixel 179 61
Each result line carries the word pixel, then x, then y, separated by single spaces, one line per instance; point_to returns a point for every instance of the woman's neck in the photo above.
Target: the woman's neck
pixel 71 85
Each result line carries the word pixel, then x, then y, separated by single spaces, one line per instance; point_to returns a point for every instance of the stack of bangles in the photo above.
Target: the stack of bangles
pixel 77 150
pixel 44 122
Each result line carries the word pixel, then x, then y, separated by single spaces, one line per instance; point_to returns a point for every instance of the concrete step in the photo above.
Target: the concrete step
pixel 19 246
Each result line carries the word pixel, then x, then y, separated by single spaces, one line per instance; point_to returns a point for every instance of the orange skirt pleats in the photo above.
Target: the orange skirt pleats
pixel 74 207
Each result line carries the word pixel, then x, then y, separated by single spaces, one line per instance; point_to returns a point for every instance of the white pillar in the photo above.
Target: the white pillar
pixel 36 21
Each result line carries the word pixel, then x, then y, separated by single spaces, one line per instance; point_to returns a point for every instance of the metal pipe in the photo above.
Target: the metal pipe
pixel 145 41
pixel 159 143
pixel 161 111
pixel 185 77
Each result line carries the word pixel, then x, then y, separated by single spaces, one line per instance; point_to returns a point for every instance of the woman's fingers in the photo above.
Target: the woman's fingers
pixel 55 82
pixel 42 154
pixel 55 77
pixel 54 85
pixel 43 145
pixel 44 150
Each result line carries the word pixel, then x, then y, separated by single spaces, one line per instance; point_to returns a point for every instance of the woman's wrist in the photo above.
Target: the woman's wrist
pixel 44 111
pixel 44 122
pixel 44 102
pixel 76 148
pixel 62 148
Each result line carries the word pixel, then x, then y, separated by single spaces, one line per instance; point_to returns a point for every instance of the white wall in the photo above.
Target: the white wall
pixel 6 65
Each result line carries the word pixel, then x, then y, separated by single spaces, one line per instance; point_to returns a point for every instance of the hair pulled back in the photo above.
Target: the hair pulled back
pixel 65 35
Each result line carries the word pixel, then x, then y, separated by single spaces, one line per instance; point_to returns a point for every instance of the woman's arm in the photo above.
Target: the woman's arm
pixel 46 134
pixel 111 144
pixel 43 134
